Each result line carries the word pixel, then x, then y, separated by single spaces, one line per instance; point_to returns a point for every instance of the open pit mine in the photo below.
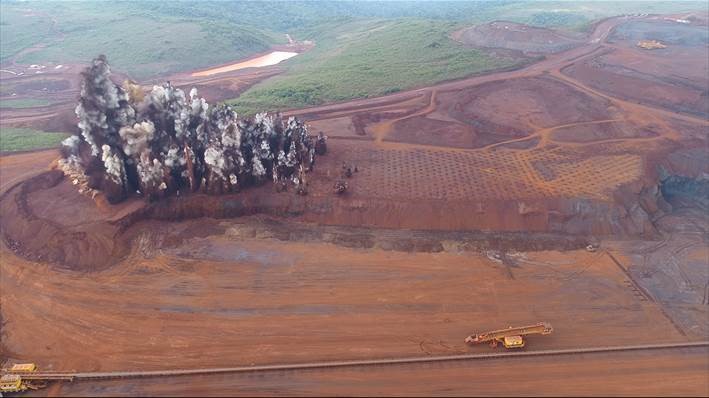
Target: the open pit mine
pixel 171 247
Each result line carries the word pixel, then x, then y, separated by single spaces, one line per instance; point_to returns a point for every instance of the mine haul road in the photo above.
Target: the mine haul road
pixel 551 65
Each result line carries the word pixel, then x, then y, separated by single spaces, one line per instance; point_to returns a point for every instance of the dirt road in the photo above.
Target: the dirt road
pixel 551 62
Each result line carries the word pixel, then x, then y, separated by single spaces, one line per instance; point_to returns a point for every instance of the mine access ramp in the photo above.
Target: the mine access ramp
pixel 510 337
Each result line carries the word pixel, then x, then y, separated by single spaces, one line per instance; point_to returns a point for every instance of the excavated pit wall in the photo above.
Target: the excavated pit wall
pixel 521 225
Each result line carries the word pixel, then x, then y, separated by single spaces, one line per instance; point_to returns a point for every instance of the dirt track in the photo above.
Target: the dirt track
pixel 197 294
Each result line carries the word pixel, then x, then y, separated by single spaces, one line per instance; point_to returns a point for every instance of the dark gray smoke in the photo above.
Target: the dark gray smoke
pixel 164 142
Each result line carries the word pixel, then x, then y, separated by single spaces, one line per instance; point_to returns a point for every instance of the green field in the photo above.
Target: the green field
pixel 21 139
pixel 389 48
pixel 20 30
pixel 368 60
pixel 137 41
pixel 363 48
pixel 24 103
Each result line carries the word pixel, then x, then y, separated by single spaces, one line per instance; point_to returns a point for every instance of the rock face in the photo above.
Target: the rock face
pixel 682 191
pixel 46 240
pixel 684 178
pixel 79 235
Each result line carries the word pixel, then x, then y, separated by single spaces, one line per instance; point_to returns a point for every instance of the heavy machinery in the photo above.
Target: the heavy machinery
pixel 24 376
pixel 651 44
pixel 11 383
pixel 23 368
pixel 510 337
pixel 340 187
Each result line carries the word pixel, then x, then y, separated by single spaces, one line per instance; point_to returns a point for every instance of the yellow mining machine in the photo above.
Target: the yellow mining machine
pixel 24 376
pixel 651 45
pixel 510 337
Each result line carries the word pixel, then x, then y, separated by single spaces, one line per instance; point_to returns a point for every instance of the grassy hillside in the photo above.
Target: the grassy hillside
pixel 139 42
pixel 393 46
pixel 364 48
pixel 297 15
pixel 24 103
pixel 21 139
pixel 368 59
pixel 20 29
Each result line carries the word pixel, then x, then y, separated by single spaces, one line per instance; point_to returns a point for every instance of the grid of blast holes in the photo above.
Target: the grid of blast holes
pixel 478 175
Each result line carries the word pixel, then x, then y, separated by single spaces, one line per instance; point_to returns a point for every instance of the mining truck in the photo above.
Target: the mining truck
pixel 510 337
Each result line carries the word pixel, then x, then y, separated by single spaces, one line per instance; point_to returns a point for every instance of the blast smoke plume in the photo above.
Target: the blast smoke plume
pixel 162 142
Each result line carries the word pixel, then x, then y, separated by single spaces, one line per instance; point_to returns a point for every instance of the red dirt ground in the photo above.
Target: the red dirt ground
pixel 514 36
pixel 223 299
pixel 627 374
pixel 533 152
pixel 466 117
pixel 675 78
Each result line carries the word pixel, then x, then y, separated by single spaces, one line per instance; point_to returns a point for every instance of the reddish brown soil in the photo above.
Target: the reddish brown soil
pixel 428 131
pixel 625 83
pixel 18 167
pixel 227 299
pixel 527 156
pixel 514 36
pixel 601 132
pixel 61 87
pixel 682 373
pixel 675 78
pixel 480 116
pixel 531 169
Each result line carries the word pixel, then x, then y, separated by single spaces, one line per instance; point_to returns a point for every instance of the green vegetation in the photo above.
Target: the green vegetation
pixel 21 139
pixel 24 103
pixel 574 15
pixel 399 45
pixel 363 48
pixel 20 29
pixel 369 60
pixel 296 16
pixel 138 42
